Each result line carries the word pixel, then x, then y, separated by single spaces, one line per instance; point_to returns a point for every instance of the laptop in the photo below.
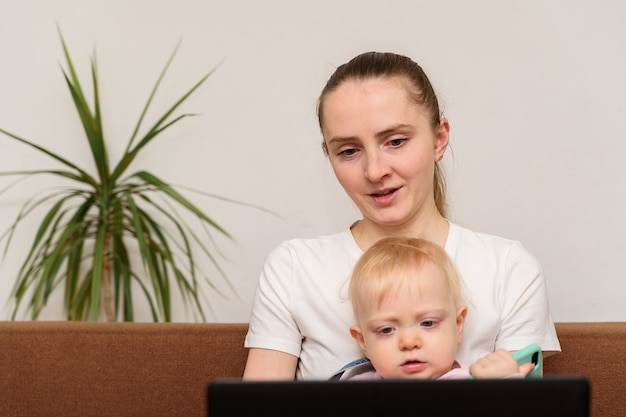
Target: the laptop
pixel 550 396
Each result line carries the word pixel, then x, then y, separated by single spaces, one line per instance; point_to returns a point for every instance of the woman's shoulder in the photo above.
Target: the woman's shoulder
pixel 338 239
pixel 462 235
pixel 464 240
pixel 479 255
pixel 339 243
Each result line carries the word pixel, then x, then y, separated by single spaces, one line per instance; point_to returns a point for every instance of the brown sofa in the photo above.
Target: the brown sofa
pixel 162 369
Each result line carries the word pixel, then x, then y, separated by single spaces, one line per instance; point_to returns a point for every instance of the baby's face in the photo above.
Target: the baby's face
pixel 415 331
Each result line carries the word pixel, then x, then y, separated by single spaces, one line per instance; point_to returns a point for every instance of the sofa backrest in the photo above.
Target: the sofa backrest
pixel 163 369
pixel 596 350
pixel 114 369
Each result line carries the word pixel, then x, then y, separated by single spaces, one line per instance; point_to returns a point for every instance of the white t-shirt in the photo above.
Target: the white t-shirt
pixel 301 306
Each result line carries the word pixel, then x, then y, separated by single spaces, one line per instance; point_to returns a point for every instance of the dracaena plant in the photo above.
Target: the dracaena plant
pixel 103 233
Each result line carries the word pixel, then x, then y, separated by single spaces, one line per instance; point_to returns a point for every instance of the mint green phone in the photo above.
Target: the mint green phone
pixel 531 353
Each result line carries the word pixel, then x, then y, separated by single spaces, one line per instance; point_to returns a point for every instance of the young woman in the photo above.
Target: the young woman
pixel 384 136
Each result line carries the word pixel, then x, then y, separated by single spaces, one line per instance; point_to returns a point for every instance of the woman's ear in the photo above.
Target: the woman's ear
pixel 442 138
pixel 325 148
pixel 355 331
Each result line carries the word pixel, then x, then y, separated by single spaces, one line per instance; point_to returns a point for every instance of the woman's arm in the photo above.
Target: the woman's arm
pixel 526 316
pixel 267 364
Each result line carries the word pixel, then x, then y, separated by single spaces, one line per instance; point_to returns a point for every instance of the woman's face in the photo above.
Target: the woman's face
pixel 383 149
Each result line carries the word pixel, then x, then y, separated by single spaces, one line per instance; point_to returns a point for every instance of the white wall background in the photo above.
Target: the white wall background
pixel 534 90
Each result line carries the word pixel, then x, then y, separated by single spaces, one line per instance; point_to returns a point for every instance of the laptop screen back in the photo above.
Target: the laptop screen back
pixel 550 396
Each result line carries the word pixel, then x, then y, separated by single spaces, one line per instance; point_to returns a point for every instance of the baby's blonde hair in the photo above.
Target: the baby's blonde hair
pixel 387 263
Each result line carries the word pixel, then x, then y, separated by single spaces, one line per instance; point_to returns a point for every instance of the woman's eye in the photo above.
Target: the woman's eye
pixel 394 143
pixel 347 152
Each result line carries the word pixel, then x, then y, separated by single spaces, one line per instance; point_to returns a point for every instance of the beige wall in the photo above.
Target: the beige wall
pixel 534 92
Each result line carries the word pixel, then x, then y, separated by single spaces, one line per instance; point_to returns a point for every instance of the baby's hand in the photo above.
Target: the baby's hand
pixel 499 364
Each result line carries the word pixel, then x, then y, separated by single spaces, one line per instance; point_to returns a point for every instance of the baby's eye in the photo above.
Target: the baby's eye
pixel 386 330
pixel 428 323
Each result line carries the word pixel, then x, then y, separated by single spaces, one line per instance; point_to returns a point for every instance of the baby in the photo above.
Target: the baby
pixel 409 313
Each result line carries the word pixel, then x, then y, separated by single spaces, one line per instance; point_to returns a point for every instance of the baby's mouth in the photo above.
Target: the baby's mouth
pixel 412 366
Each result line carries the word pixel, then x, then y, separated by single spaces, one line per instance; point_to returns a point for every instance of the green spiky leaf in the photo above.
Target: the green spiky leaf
pixel 91 228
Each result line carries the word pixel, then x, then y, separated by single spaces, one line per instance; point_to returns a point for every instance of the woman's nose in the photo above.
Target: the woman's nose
pixel 376 167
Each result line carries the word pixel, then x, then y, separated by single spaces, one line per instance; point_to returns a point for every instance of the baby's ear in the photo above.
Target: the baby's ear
pixel 355 331
pixel 461 314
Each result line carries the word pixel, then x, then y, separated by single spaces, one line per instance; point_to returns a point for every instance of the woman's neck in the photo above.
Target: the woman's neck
pixel 435 229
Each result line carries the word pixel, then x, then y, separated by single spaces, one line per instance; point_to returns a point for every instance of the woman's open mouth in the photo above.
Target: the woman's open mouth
pixel 384 197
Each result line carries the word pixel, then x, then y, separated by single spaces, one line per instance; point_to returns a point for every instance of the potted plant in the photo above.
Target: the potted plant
pixel 91 229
